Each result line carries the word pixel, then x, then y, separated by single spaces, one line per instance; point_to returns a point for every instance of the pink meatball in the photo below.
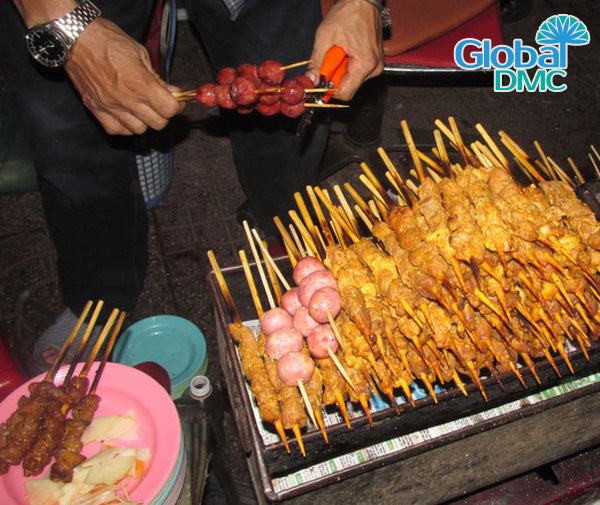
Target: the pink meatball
pixel 245 109
pixel 243 91
pixel 306 266
pixel 303 322
pixel 275 319
pixel 270 71
pixel 290 301
pixel 226 75
pixel 305 81
pixel 323 301
pixel 267 110
pixel 294 367
pixel 312 282
pixel 249 71
pixel 320 340
pixel 268 97
pixel 293 92
pixel 291 110
pixel 206 95
pixel 282 341
pixel 223 97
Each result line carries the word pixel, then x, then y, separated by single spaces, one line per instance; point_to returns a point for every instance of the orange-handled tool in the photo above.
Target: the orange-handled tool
pixel 331 72
pixel 333 69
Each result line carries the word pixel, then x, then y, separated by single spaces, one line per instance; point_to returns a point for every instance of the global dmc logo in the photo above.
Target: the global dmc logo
pixel 522 67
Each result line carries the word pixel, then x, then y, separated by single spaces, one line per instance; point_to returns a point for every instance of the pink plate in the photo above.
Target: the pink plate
pixel 121 388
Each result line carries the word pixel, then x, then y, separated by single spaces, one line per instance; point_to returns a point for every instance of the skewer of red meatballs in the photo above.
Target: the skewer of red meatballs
pixel 263 88
pixel 303 318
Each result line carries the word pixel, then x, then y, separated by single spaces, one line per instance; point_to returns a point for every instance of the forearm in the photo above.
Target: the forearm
pixel 36 12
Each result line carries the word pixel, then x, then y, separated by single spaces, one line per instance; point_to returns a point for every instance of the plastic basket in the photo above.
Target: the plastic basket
pixel 155 169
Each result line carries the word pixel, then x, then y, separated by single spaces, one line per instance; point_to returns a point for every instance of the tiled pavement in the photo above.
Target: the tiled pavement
pixel 199 212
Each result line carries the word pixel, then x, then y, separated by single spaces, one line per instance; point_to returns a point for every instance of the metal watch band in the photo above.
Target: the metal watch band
pixel 73 23
pixel 384 12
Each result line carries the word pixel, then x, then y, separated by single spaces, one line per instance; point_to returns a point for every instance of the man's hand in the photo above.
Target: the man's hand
pixel 116 81
pixel 355 26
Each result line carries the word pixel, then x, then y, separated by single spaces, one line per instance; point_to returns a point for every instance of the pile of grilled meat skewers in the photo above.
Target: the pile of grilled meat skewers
pixel 48 423
pixel 468 274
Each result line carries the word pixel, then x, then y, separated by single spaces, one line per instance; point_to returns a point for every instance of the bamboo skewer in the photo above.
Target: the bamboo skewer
pixel 308 222
pixel 293 252
pixel 459 142
pixel 320 216
pixel 307 90
pixel 347 209
pixel 69 342
pixel 294 65
pixel 335 214
pixel 270 261
pixel 521 156
pixel 359 200
pixel 311 245
pixel 576 170
pixel 385 198
pixel 493 146
pixel 561 173
pixel 259 264
pixel 84 340
pixel 413 150
pixel 251 284
pixel 595 165
pixel 379 198
pixel 545 164
pixel 326 105
pixel 302 246
pixel 594 161
pixel 99 342
pixel 107 351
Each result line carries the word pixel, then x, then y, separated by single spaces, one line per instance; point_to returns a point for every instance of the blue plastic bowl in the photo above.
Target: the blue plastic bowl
pixel 173 342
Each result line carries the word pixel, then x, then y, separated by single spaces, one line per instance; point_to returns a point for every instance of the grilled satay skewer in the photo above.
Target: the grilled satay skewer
pixel 293 415
pixel 22 428
pixel 260 386
pixel 267 368
pixel 67 454
pixel 272 266
pixel 267 289
pixel 334 387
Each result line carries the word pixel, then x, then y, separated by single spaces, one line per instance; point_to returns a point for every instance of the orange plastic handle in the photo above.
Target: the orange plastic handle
pixel 333 59
pixel 334 68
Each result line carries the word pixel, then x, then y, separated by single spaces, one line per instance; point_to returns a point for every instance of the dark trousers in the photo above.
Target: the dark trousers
pixel 87 179
pixel 272 162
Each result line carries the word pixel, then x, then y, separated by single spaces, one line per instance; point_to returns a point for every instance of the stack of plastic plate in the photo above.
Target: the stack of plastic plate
pixel 171 341
pixel 170 492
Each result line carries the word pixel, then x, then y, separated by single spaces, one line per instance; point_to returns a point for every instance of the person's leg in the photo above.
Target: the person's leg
pixel 87 179
pixel 271 160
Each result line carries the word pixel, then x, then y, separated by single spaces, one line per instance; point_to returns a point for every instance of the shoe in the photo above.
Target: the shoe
pixel 52 340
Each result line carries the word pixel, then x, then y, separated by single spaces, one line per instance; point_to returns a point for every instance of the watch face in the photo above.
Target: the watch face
pixel 47 47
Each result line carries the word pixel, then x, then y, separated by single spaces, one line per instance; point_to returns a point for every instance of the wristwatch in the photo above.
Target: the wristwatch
pixel 50 43
pixel 384 12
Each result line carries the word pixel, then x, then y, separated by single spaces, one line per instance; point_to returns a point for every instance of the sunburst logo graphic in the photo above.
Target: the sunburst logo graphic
pixel 561 31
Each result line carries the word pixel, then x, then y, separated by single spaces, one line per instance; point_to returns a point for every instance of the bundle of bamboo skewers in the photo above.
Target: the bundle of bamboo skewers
pixel 464 273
